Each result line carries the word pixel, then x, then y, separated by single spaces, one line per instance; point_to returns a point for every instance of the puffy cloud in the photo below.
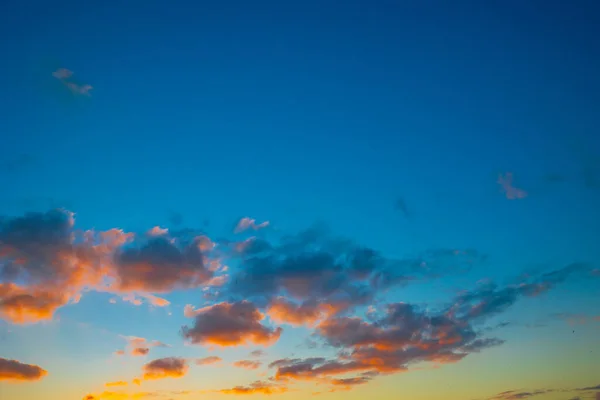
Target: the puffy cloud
pixel 170 367
pixel 15 371
pixel 45 263
pixel 314 268
pixel 281 310
pixel 249 223
pixel 230 324
pixel 256 387
pixel 247 364
pixel 511 192
pixel 161 265
pixel 208 360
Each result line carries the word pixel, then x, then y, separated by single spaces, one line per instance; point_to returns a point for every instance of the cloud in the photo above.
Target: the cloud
pixel 247 364
pixel 517 395
pixel 15 371
pixel 308 313
pixel 405 335
pixel 511 192
pixel 138 346
pixel 46 264
pixel 116 383
pixel 589 388
pixel 256 387
pixel 258 353
pixel 161 265
pixel 170 367
pixel 66 77
pixel 313 267
pixel 208 360
pixel 157 231
pixel 249 223
pixel 121 395
pixel 230 324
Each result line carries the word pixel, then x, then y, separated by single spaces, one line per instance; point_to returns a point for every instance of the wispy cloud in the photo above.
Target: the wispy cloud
pixel 247 364
pixel 208 360
pixel 66 77
pixel 511 192
pixel 249 223
pixel 256 387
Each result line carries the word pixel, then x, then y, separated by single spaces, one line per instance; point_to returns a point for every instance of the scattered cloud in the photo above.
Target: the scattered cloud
pixel 258 353
pixel 157 231
pixel 116 383
pixel 16 371
pixel 511 192
pixel 230 324
pixel 66 77
pixel 208 360
pixel 138 346
pixel 170 367
pixel 259 387
pixel 247 364
pixel 249 223
pixel 517 395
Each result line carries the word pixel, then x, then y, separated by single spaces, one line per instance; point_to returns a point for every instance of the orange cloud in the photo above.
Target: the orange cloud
pixel 117 383
pixel 170 367
pixel 247 364
pixel 256 387
pixel 22 305
pixel 208 360
pixel 309 313
pixel 119 396
pixel 16 371
pixel 230 324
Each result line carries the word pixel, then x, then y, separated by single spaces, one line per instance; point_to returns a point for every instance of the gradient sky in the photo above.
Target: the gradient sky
pixel 361 198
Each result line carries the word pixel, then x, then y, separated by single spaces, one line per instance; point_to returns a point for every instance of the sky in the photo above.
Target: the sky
pixel 273 199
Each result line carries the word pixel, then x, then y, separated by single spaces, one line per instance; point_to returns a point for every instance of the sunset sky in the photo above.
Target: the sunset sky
pixel 286 199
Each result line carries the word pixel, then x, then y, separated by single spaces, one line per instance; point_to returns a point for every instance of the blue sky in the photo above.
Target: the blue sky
pixel 310 112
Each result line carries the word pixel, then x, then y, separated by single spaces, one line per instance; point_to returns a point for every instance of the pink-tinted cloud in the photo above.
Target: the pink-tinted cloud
pixel 138 346
pixel 170 367
pixel 65 76
pixel 157 231
pixel 511 192
pixel 16 371
pixel 230 324
pixel 249 223
pixel 208 360
pixel 247 364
